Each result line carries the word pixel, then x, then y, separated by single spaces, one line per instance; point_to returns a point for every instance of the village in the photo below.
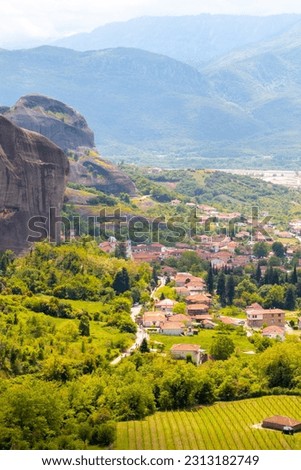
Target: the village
pixel 230 243
pixel 227 239
pixel 198 315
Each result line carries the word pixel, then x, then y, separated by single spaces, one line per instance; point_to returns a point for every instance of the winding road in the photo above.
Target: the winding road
pixel 140 335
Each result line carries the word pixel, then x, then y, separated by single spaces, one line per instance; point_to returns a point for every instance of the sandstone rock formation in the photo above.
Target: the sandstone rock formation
pixel 55 120
pixel 32 180
pixel 69 130
pixel 93 171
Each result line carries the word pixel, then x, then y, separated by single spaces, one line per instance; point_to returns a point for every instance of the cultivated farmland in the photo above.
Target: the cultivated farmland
pixel 221 426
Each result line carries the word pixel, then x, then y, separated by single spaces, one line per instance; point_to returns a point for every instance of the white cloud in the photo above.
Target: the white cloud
pixel 29 19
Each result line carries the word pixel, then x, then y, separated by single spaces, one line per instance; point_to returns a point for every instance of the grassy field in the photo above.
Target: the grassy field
pixel 105 340
pixel 204 339
pixel 229 426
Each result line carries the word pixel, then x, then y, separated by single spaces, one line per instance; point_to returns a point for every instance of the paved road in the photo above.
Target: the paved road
pixel 162 282
pixel 140 335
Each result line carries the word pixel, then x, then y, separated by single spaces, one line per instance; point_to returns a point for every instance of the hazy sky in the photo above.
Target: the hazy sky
pixel 23 21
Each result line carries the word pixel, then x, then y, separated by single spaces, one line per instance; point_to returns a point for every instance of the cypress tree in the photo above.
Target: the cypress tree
pixel 230 289
pixel 258 274
pixel 121 282
pixel 210 280
pixel 290 298
pixel 84 326
pixel 221 288
pixel 155 275
pixel 144 346
pixel 275 277
pixel 294 276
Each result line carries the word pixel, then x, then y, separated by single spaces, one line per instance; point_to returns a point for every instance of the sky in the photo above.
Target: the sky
pixel 28 22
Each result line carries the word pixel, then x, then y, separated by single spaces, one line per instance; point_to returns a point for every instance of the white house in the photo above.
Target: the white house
pixel 274 332
pixel 153 319
pixel 165 305
pixel 182 351
pixel 172 328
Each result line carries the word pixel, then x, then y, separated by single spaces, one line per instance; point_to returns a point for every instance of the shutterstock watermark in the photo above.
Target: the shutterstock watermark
pixel 141 229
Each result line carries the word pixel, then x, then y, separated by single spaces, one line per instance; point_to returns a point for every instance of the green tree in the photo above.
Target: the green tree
pixel 133 401
pixel 179 307
pixel 120 250
pixel 104 434
pixel 279 372
pixel 227 390
pixel 274 297
pixel 275 261
pixel 136 294
pixel 278 249
pixel 294 276
pixel 222 347
pixel 178 388
pixel 290 298
pixel 221 288
pixel 210 280
pixel 125 198
pixel 144 346
pixel 52 279
pixel 121 281
pixel 258 274
pixel 155 276
pixel 160 194
pixel 84 326
pixel 230 289
pixel 246 286
pixel 6 259
pixel 31 411
pixel 261 250
pixel 205 392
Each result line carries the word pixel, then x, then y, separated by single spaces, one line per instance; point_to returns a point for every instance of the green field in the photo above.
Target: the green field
pixel 204 339
pixel 105 340
pixel 221 426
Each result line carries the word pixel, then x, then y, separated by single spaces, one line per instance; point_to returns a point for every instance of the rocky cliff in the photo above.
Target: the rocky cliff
pixel 55 120
pixel 32 179
pixel 69 130
pixel 90 170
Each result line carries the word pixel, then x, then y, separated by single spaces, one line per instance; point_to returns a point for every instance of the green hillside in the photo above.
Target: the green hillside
pixel 224 191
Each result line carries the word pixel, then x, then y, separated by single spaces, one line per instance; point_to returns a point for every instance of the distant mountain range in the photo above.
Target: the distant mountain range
pixel 191 39
pixel 236 110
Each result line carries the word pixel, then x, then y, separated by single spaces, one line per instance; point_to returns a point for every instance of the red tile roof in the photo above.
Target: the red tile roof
pixel 193 307
pixel 153 317
pixel 185 347
pixel 199 299
pixel 169 325
pixel 254 306
pixel 282 421
pixel 182 290
pixel 273 329
pixel 228 320
pixel 179 318
pixel 201 317
pixel 165 303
